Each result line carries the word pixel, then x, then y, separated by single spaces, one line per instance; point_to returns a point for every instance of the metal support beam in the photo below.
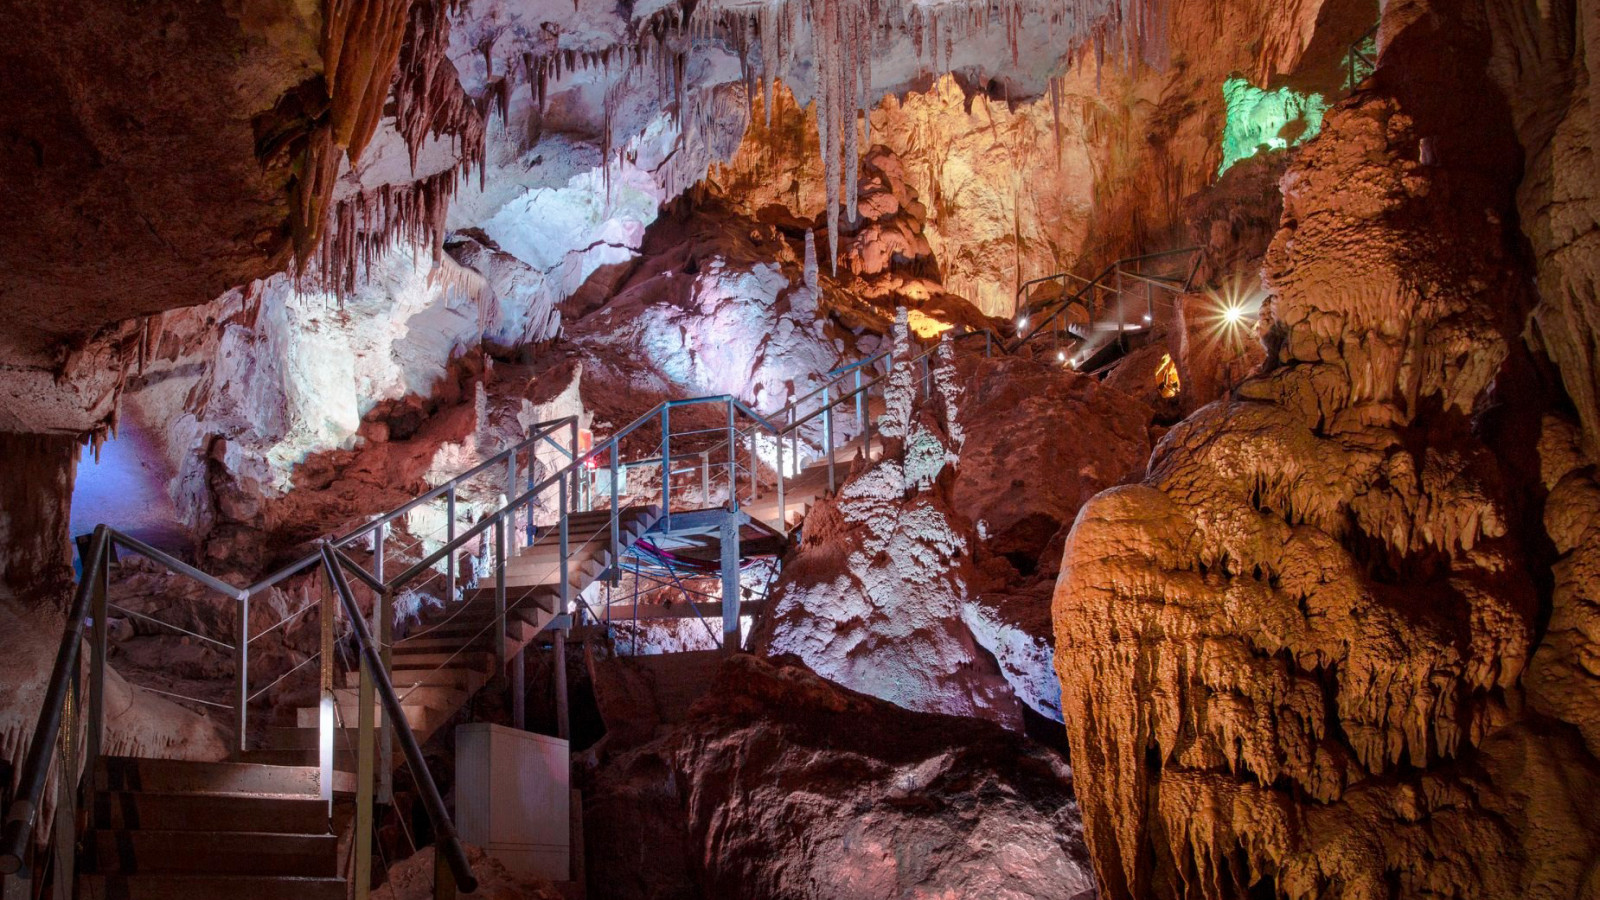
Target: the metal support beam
pixel 563 727
pixel 519 691
pixel 500 594
pixel 730 583
pixel 241 662
pixel 449 537
pixel 827 436
pixel 366 746
pixel 666 465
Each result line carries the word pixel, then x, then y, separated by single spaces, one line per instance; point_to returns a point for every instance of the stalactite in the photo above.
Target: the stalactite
pixel 429 100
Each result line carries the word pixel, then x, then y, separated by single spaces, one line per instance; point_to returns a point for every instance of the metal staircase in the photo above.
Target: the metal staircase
pixel 558 520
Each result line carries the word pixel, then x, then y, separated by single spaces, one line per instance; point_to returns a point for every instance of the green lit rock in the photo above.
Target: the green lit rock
pixel 1258 119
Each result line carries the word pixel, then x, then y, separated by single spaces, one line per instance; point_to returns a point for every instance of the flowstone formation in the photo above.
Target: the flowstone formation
pixel 783 785
pixel 873 601
pixel 1295 661
pixel 919 582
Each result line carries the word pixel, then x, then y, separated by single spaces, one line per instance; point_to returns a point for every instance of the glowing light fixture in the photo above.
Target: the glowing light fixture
pixel 1061 356
pixel 1147 318
pixel 1022 322
pixel 1233 315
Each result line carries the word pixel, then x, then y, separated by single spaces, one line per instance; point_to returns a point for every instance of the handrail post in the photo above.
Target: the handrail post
pixel 861 405
pixel 447 844
pixel 241 657
pixel 444 881
pixel 366 696
pixel 705 478
pixel 326 698
pixel 99 609
pixel 755 488
pixel 733 461
pixel 511 494
pixel 1122 334
pixel 783 518
pixel 827 434
pixel 384 613
pixel 616 516
pixel 577 498
pixel 794 441
pixel 564 583
pixel 500 593
pixel 66 819
pixel 666 468
pixel 449 537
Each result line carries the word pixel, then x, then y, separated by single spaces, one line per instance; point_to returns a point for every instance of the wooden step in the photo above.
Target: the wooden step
pixel 437 697
pixel 207 852
pixel 297 738
pixel 208 887
pixel 344 756
pixel 219 778
pixel 465 680
pixel 164 811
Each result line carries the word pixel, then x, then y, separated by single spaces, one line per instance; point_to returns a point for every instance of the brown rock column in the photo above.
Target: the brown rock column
pixel 35 502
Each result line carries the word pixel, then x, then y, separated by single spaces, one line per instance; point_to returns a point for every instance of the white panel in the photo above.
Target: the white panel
pixel 512 798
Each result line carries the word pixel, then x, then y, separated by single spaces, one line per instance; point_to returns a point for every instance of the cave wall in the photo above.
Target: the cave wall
pixel 1544 61
pixel 1307 655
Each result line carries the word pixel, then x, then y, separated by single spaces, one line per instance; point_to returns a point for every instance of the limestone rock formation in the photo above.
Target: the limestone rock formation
pixel 783 785
pixel 1291 659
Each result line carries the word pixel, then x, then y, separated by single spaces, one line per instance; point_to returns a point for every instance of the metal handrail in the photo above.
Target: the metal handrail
pixel 1117 268
pixel 24 811
pixel 444 829
pixel 20 820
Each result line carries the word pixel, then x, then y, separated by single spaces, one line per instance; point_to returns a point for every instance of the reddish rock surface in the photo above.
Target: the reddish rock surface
pixel 782 785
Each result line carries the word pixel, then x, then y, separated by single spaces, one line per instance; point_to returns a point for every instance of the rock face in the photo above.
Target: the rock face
pixel 782 785
pixel 1547 62
pixel 920 582
pixel 873 600
pixel 1290 659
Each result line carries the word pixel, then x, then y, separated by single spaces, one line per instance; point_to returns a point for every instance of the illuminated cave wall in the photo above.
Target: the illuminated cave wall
pixel 1273 119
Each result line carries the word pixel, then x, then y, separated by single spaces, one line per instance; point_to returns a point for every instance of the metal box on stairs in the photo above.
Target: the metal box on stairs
pixel 512 798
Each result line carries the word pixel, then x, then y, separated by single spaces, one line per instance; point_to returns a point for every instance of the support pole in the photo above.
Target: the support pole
pixel 861 405
pixel 99 609
pixel 241 662
pixel 666 468
pixel 827 434
pixel 500 593
pixel 730 583
pixel 66 816
pixel 733 461
pixel 511 494
pixel 450 537
pixel 519 691
pixel 783 519
pixel 385 632
pixel 563 726
pixel 365 772
pixel 616 516
pixel 325 707
pixel 705 478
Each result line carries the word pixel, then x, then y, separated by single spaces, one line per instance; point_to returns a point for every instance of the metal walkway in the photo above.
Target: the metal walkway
pixel 523 534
